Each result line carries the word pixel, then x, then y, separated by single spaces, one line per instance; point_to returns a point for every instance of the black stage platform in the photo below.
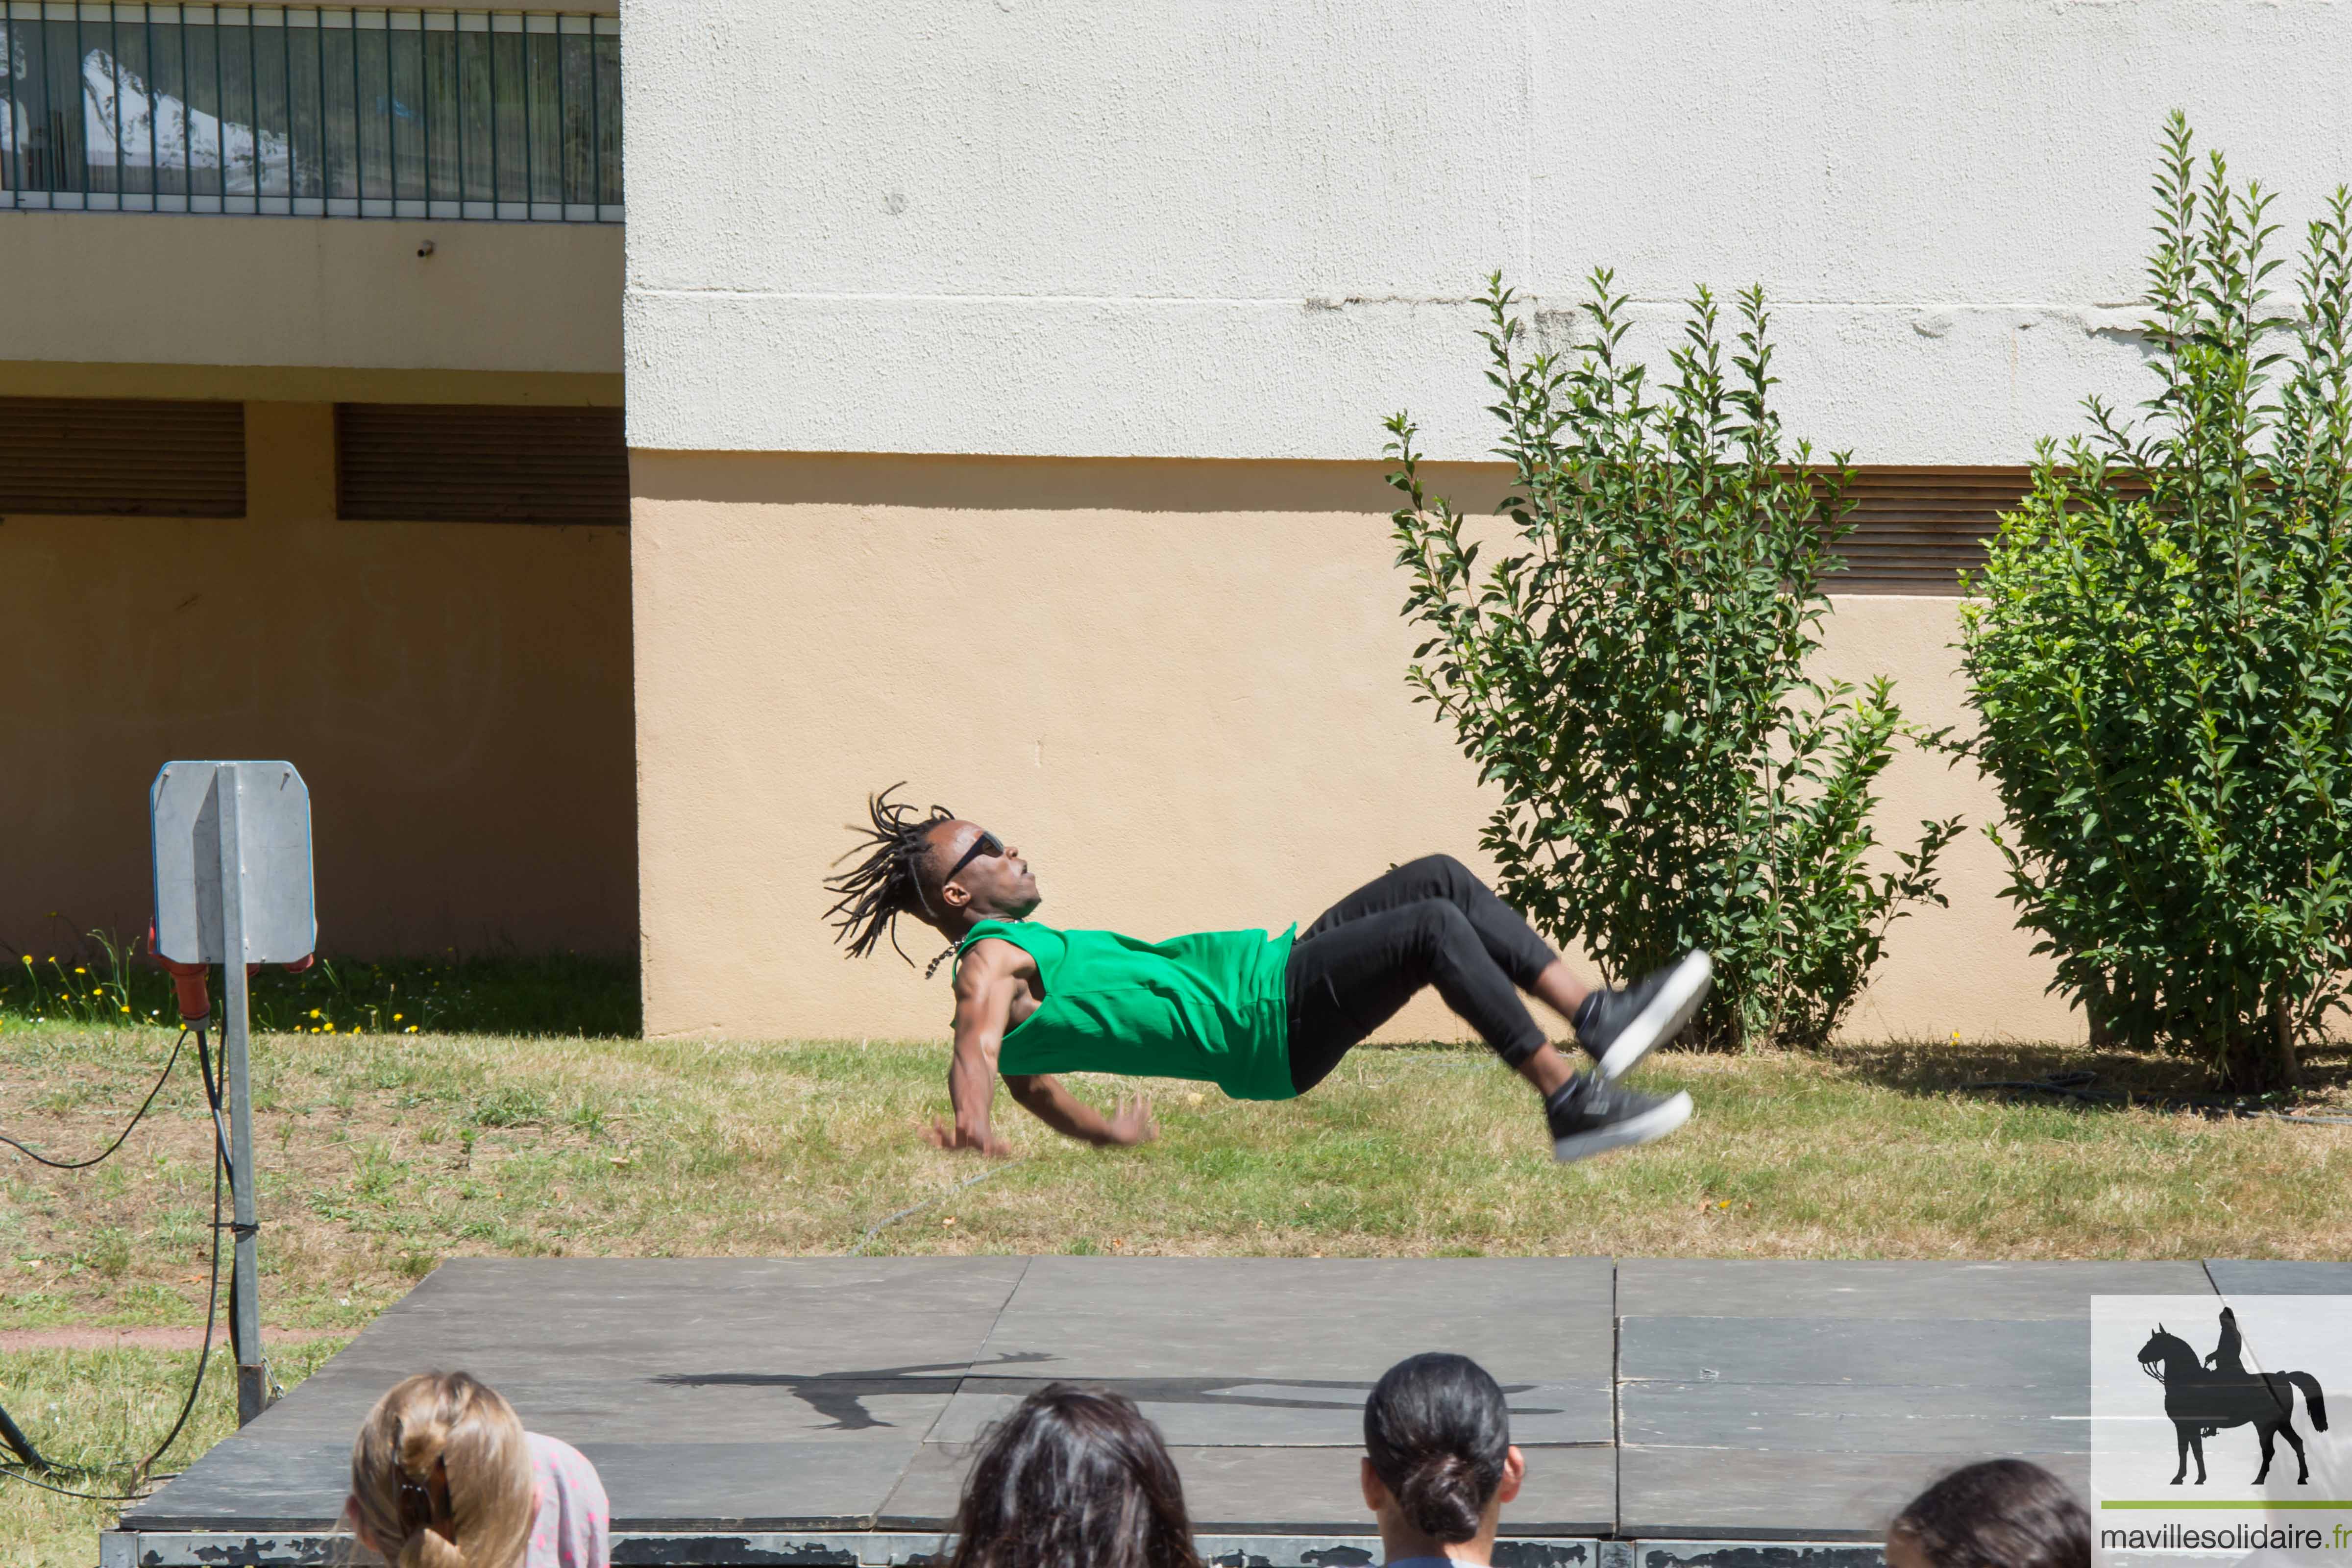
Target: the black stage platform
pixel 819 1410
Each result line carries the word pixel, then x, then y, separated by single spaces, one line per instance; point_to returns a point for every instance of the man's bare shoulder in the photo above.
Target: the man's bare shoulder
pixel 989 959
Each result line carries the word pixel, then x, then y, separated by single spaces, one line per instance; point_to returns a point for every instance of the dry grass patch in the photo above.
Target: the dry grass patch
pixel 382 1156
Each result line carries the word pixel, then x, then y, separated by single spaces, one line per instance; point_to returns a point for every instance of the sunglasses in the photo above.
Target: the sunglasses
pixel 986 844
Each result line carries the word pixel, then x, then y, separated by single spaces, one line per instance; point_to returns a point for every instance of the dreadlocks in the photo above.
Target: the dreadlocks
pixel 885 884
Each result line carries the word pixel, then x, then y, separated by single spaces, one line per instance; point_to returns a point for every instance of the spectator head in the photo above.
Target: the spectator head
pixel 442 1476
pixel 1437 1449
pixel 2002 1513
pixel 1073 1478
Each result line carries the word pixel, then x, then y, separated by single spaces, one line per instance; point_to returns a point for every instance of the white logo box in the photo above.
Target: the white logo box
pixel 2140 1515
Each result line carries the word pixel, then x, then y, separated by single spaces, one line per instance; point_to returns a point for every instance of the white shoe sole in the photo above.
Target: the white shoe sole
pixel 1686 986
pixel 1647 1128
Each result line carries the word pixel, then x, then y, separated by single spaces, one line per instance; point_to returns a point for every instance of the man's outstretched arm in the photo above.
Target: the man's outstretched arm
pixel 983 993
pixel 985 984
pixel 1043 1097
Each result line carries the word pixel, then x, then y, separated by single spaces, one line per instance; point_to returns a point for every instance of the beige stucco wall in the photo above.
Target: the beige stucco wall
pixel 180 289
pixel 1176 686
pixel 308 384
pixel 456 695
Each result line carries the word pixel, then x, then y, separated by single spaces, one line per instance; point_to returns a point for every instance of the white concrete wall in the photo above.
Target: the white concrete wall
pixel 1227 229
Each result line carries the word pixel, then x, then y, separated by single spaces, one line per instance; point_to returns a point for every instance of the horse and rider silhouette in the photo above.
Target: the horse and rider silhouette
pixel 2201 1397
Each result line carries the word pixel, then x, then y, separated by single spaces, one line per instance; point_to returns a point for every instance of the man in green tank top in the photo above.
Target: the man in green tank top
pixel 1263 1015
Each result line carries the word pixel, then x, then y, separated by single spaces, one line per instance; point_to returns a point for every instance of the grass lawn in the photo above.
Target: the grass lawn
pixel 385 1152
pixel 102 1408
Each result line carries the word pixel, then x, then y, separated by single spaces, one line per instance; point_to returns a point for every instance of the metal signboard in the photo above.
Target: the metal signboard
pixel 252 817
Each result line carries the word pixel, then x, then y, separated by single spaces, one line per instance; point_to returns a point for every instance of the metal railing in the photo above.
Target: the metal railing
pixel 310 111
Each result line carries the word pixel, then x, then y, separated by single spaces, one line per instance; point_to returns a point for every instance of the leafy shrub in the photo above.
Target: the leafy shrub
pixel 1633 674
pixel 2162 661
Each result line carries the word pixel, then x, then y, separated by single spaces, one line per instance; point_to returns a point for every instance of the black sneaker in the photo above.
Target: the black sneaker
pixel 1590 1116
pixel 1621 1027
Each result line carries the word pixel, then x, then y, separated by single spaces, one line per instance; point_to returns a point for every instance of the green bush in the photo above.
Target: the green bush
pixel 2162 658
pixel 1633 674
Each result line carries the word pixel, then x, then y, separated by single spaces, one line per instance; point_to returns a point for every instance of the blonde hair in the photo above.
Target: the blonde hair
pixel 441 1475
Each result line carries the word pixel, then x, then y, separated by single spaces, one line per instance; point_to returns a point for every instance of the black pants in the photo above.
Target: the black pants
pixel 1428 923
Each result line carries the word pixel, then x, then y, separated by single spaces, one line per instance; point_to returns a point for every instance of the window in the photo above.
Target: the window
pixel 120 456
pixel 1916 530
pixel 323 111
pixel 409 462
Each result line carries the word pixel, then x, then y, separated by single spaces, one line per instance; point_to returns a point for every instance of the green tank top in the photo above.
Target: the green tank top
pixel 1209 1006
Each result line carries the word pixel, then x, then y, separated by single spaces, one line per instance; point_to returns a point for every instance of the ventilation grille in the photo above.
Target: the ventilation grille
pixel 1916 529
pixel 122 456
pixel 413 462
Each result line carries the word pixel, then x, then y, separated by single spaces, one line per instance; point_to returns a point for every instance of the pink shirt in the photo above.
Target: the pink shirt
pixel 574 1524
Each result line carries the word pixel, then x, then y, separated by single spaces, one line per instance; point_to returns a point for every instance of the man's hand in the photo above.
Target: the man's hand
pixel 1133 1123
pixel 943 1133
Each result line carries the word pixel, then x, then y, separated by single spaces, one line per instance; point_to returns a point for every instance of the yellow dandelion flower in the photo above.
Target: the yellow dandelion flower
pixel 314 1012
pixel 395 1017
pixel 80 970
pixel 331 1029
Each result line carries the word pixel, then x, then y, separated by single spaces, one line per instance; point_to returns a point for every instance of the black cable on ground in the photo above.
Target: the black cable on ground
pixel 135 1118
pixel 212 1291
pixel 2076 1086
pixel 213 1098
pixel 16 1475
pixel 15 1436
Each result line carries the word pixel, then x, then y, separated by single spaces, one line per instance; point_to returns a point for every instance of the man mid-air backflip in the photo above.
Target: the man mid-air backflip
pixel 1264 1016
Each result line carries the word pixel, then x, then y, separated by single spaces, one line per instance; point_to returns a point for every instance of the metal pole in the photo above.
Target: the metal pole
pixel 529 148
pixel 154 132
pixel 498 158
pixel 220 109
pixel 245 1304
pixel 51 130
pixel 359 123
pixel 114 65
pixel 81 109
pixel 457 72
pixel 424 105
pixel 391 126
pixel 286 60
pixel 253 100
pixel 326 163
pixel 11 167
pixel 595 122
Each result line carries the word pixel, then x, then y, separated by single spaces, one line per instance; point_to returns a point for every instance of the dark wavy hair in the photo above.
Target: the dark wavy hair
pixel 2002 1513
pixel 1438 1430
pixel 1073 1478
pixel 888 883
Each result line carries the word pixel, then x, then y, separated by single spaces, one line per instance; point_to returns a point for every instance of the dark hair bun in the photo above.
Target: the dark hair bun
pixel 1438 1432
pixel 1441 1497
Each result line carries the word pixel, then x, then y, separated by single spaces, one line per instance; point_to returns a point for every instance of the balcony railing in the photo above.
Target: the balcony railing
pixel 311 110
